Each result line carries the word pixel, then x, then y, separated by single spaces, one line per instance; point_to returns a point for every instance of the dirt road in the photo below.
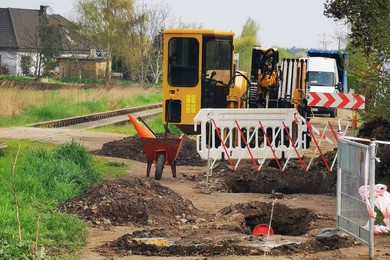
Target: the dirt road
pixel 95 140
pixel 187 184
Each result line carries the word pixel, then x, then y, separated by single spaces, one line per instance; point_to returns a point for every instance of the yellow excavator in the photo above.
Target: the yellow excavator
pixel 199 72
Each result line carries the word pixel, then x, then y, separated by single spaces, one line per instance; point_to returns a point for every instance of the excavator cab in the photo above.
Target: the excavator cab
pixel 198 73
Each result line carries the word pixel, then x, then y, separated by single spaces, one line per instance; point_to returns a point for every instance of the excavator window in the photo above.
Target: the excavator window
pixel 183 62
pixel 216 71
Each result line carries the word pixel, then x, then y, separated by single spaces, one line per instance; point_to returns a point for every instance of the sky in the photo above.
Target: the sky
pixel 282 23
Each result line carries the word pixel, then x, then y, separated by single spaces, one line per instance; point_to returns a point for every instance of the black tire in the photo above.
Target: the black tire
pixel 159 166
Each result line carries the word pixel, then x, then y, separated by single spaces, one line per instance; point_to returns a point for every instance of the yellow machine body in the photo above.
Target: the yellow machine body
pixel 198 73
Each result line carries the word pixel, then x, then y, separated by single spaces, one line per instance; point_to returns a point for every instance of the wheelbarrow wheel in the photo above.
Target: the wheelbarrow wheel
pixel 159 166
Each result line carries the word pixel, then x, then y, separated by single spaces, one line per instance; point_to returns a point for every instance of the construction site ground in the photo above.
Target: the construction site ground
pixel 195 216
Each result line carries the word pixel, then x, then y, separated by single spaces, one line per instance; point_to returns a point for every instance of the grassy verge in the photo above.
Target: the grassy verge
pixel 154 123
pixel 24 106
pixel 16 78
pixel 113 82
pixel 35 179
pixel 86 81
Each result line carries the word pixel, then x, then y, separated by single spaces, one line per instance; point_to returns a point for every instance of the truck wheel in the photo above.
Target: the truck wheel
pixel 333 114
pixel 159 166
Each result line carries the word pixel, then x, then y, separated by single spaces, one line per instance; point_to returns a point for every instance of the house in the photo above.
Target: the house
pixel 19 42
pixel 86 67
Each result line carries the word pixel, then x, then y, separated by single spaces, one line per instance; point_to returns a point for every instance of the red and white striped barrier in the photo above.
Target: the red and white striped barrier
pixel 339 100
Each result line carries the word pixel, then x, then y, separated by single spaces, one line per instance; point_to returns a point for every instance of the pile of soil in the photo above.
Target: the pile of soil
pixel 229 232
pixel 270 180
pixel 143 202
pixel 132 201
pixel 243 179
pixel 379 128
pixel 132 148
pixel 189 232
pixel 167 216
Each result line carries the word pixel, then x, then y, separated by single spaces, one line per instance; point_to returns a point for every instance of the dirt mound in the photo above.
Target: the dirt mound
pixel 229 233
pixel 376 127
pixel 132 201
pixel 245 178
pixel 379 128
pixel 131 148
pixel 271 180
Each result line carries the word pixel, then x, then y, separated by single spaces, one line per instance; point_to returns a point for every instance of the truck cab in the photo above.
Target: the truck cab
pixel 322 77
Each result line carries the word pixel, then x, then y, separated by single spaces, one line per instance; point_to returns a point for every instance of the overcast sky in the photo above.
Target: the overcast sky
pixel 283 23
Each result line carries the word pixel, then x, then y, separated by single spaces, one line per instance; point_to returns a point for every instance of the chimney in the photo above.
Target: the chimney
pixel 43 9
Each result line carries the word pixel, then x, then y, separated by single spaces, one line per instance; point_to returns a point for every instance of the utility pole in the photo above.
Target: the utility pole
pixel 324 42
pixel 340 40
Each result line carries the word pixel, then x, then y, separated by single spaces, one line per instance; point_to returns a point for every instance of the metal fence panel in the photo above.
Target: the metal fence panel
pixel 352 212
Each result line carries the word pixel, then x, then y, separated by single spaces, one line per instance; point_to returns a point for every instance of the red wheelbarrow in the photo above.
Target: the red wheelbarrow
pixel 161 151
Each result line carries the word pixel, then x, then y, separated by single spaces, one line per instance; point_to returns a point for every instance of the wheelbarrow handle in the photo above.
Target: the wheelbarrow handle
pixel 147 126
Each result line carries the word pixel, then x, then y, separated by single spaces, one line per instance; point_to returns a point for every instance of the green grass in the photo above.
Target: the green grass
pixel 154 123
pixel 112 167
pixel 113 82
pixel 21 107
pixel 45 177
pixel 86 81
pixel 16 78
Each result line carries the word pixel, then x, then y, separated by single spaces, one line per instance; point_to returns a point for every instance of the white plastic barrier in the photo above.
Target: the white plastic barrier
pixel 284 127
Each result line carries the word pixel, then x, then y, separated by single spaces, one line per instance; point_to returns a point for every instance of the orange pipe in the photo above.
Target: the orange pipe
pixel 142 130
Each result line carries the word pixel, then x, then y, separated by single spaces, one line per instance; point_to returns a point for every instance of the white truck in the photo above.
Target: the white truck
pixel 322 76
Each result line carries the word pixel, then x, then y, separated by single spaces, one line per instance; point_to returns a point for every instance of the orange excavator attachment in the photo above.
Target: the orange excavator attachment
pixel 142 130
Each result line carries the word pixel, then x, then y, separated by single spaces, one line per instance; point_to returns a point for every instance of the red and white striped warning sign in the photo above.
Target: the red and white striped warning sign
pixel 339 100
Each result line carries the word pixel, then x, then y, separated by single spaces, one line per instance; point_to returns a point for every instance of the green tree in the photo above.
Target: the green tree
pixel 105 23
pixel 283 53
pixel 369 49
pixel 244 43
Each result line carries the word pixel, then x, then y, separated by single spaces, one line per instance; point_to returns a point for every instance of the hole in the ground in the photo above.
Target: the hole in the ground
pixel 285 221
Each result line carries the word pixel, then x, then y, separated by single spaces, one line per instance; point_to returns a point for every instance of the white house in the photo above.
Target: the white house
pixel 19 38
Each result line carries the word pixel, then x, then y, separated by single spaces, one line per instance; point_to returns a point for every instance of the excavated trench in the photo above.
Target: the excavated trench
pixel 285 221
pixel 169 229
pixel 230 233
pixel 271 180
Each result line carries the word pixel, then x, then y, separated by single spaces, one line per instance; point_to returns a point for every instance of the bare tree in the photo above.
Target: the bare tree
pixel 143 52
pixel 45 40
pixel 159 19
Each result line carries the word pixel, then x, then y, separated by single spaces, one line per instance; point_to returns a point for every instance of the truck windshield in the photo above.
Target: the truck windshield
pixel 320 78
